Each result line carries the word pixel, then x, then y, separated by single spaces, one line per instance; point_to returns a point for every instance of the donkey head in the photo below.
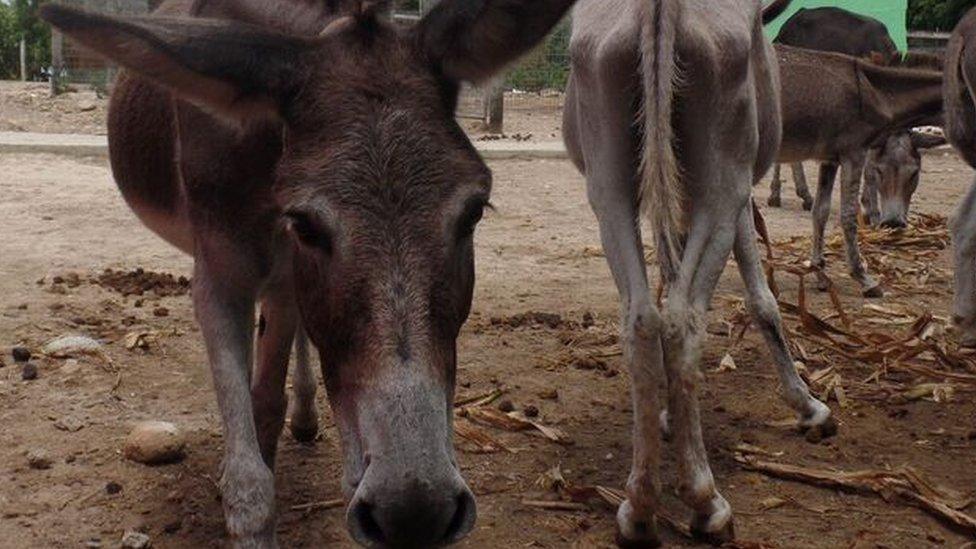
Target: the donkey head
pixel 894 169
pixel 380 192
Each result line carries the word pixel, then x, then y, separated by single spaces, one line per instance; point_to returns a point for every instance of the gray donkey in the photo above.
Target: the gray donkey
pixel 838 124
pixel 704 143
pixel 960 128
pixel 305 152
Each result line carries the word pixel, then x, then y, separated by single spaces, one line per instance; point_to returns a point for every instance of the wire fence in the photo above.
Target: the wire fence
pixel 73 64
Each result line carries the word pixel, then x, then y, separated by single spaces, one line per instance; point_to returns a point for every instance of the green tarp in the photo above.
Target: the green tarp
pixel 890 12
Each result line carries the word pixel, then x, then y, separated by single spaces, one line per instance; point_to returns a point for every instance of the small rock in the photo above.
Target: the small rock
pixel 21 354
pixel 549 394
pixel 67 346
pixel 70 424
pixel 154 443
pixel 135 540
pixel 506 406
pixel 160 311
pixel 71 366
pixel 113 488
pixel 39 459
pixel 86 106
pixel 531 411
pixel 93 543
pixel 29 372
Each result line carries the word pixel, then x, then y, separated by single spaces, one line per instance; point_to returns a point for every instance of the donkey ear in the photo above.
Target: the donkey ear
pixel 921 140
pixel 473 39
pixel 234 69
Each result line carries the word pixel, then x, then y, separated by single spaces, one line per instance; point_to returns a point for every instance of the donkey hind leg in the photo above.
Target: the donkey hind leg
pixel 226 317
pixel 708 246
pixel 776 189
pixel 303 417
pixel 821 213
pixel 279 320
pixel 963 227
pixel 852 169
pixel 800 182
pixel 814 416
pixel 610 177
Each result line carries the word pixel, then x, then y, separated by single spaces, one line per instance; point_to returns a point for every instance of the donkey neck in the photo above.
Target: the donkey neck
pixel 899 97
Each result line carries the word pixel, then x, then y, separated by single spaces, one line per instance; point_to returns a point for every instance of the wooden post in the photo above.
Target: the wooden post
pixel 494 102
pixel 23 59
pixel 57 61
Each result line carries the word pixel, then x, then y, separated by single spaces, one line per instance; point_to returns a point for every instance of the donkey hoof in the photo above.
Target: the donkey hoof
pixel 807 205
pixel 634 532
pixel 874 292
pixel 817 433
pixel 774 201
pixel 703 531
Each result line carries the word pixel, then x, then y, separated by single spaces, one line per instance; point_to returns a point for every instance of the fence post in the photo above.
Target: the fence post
pixel 23 59
pixel 57 61
pixel 495 106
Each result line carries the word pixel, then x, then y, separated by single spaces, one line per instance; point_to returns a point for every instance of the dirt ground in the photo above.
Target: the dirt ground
pixel 539 252
pixel 29 107
pixel 64 224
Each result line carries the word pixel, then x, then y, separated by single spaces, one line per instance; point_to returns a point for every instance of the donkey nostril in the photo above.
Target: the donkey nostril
pixel 463 520
pixel 363 515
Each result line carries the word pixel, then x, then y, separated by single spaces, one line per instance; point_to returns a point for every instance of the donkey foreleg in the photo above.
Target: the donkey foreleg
pixel 963 227
pixel 852 168
pixel 820 215
pixel 279 319
pixel 303 418
pixel 869 194
pixel 776 188
pixel 225 312
pixel 800 182
pixel 812 413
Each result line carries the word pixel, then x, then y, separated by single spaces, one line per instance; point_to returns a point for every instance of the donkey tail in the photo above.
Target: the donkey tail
pixel 661 192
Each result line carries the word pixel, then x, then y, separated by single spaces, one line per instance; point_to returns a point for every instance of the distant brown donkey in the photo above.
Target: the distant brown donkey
pixel 306 154
pixel 838 124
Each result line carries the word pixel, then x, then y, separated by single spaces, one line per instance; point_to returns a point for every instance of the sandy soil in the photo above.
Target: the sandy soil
pixel 29 107
pixel 538 252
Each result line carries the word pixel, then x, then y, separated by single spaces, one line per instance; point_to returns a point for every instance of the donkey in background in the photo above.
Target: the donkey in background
pixel 691 170
pixel 892 169
pixel 306 154
pixel 839 124
pixel 960 127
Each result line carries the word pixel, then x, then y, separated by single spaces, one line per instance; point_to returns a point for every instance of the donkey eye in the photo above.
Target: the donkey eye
pixel 472 215
pixel 308 231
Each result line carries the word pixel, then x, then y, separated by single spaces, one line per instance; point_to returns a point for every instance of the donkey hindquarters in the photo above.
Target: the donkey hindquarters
pixel 726 120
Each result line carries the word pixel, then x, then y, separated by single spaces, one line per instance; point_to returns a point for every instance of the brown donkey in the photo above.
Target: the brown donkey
pixel 703 145
pixel 960 129
pixel 838 124
pixel 306 154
